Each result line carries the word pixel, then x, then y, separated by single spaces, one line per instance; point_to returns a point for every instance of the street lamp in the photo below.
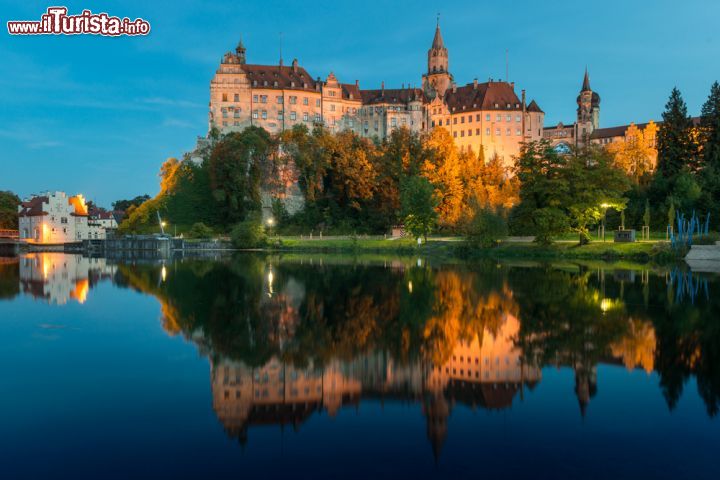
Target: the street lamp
pixel 604 206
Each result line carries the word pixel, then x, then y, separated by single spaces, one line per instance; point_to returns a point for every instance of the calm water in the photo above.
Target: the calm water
pixel 302 367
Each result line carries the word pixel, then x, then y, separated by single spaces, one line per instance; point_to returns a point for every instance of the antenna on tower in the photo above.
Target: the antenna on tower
pixel 438 19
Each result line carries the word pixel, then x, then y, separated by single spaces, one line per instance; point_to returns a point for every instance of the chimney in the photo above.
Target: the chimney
pixel 512 84
pixel 357 83
pixel 454 87
pixel 295 65
pixel 523 99
pixel 382 87
pixel 475 84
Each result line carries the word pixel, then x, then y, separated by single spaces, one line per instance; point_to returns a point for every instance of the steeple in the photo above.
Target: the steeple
pixel 437 79
pixel 438 40
pixel 240 50
pixel 586 82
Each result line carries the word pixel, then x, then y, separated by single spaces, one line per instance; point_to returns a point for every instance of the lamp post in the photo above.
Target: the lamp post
pixel 604 206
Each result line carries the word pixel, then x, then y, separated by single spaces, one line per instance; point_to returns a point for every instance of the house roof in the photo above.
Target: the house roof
pixel 351 91
pixel 482 96
pixel 391 95
pixel 280 77
pixel 534 107
pixel 33 207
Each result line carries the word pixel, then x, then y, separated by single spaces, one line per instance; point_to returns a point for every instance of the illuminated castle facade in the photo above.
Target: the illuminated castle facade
pixel 485 116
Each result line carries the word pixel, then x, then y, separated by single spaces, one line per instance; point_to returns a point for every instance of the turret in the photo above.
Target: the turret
pixel 438 78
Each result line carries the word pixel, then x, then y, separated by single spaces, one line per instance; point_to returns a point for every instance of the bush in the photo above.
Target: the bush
pixel 249 233
pixel 486 229
pixel 200 230
pixel 549 222
pixel 708 239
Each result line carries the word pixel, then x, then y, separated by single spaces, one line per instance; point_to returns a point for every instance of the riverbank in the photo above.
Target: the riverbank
pixel 643 252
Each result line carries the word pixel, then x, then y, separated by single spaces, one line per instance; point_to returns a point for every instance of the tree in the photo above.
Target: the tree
pixel 250 233
pixel 486 228
pixel 676 148
pixel 236 166
pixel 418 204
pixel 646 215
pixel 200 230
pixel 636 154
pixel 710 129
pixel 543 191
pixel 124 205
pixel 442 167
pixel 9 203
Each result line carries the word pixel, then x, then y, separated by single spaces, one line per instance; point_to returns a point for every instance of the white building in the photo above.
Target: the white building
pixel 54 218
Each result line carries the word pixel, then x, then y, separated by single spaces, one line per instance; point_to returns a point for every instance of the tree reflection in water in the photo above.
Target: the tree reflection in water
pixel 288 337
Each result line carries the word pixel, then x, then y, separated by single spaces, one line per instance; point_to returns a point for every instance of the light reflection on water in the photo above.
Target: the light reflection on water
pixel 295 342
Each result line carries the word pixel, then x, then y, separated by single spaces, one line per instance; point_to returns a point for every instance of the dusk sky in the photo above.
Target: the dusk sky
pixel 97 116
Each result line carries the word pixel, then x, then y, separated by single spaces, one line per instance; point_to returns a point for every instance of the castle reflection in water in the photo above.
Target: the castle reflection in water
pixel 289 339
pixel 485 373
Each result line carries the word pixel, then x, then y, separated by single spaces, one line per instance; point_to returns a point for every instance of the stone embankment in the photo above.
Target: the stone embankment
pixel 704 258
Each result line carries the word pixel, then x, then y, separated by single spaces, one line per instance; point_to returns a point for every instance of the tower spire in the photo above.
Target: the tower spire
pixel 438 40
pixel 586 82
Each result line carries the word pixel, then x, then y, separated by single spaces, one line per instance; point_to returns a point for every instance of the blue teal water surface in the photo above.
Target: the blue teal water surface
pixel 308 367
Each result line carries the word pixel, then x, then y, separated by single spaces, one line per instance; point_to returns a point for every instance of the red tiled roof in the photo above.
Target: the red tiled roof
pixel 277 76
pixel 483 96
pixel 350 91
pixel 620 130
pixel 33 207
pixel 534 107
pixel 391 95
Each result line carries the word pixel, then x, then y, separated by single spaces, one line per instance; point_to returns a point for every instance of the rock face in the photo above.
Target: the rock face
pixel 704 258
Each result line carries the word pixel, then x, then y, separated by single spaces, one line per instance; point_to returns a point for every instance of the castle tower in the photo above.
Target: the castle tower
pixel 588 112
pixel 240 51
pixel 438 78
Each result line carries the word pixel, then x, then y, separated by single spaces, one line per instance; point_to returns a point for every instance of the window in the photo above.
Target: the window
pixel 224 124
pixel 224 97
pixel 507 132
pixel 255 98
pixel 263 98
pixel 224 113
pixel 462 119
pixel 305 116
pixel 281 115
pixel 264 114
pixel 255 114
pixel 332 108
pixel 498 118
pixel 331 93
pixel 305 100
pixel 477 117
pixel 455 120
pixel 477 131
pixel 517 118
pixel 237 113
pixel 350 123
pixel 487 117
pixel 432 124
pixel 293 100
pixel 508 118
pixel 455 134
pixel 393 122
pixel 237 124
pixel 237 97
pixel 462 133
pixel 279 99
pixel 470 132
pixel 497 132
pixel 293 116
pixel 518 132
pixel 317 117
pixel 317 102
pixel 469 118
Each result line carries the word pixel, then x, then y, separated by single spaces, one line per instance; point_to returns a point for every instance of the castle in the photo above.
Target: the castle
pixel 487 117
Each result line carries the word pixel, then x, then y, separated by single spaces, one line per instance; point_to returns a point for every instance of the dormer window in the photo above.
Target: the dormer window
pixel 264 83
pixel 275 83
pixel 254 83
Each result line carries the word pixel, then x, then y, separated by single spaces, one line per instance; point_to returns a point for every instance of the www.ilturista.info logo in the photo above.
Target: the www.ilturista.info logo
pixel 57 22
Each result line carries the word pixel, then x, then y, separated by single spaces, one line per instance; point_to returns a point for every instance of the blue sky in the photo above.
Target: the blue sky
pixel 99 115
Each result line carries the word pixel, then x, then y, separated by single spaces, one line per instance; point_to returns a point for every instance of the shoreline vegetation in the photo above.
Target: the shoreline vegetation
pixel 456 248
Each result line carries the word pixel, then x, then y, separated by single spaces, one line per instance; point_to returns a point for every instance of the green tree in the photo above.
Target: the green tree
pixel 418 204
pixel 486 228
pixel 710 129
pixel 9 203
pixel 676 148
pixel 124 205
pixel 250 233
pixel 236 165
pixel 200 230
pixel 646 215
